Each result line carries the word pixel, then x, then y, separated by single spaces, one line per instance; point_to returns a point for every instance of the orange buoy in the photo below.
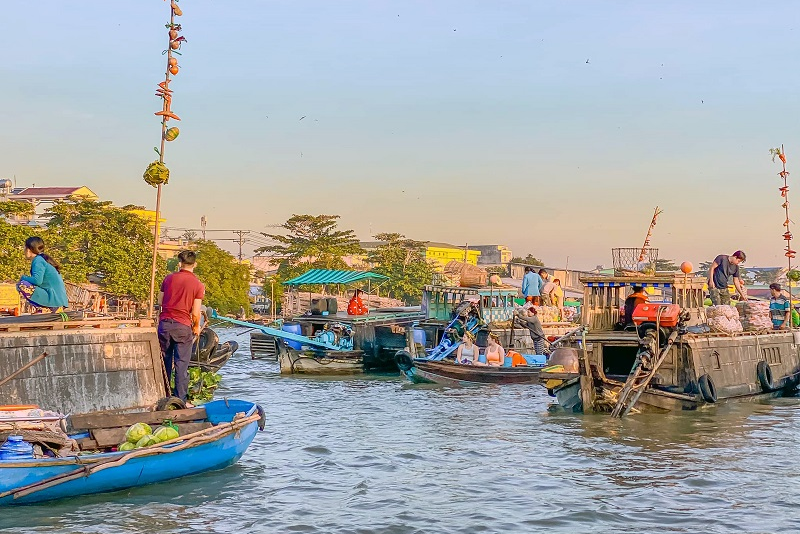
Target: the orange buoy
pixel 687 267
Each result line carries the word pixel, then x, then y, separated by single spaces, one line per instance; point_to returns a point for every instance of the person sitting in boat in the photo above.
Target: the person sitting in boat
pixel 529 319
pixel 780 309
pixel 356 306
pixel 44 289
pixel 634 299
pixel 495 354
pixel 467 352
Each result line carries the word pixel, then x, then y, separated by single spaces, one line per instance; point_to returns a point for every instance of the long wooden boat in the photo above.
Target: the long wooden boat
pixel 661 368
pixel 318 362
pixel 423 370
pixel 212 437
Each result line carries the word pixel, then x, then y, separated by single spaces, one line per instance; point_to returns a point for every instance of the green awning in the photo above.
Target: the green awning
pixel 333 276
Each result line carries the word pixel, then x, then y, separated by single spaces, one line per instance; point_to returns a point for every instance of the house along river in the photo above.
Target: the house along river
pixel 373 454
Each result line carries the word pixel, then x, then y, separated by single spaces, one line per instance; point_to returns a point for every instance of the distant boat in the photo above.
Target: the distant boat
pixel 218 434
pixel 421 370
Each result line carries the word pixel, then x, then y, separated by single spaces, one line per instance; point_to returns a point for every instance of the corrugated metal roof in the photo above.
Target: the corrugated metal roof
pixel 333 276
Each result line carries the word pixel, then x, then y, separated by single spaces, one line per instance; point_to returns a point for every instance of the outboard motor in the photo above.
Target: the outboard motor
pixel 208 341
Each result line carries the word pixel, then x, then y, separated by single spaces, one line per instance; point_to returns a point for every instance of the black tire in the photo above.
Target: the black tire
pixel 170 403
pixel 403 360
pixel 551 392
pixel 707 389
pixel 764 374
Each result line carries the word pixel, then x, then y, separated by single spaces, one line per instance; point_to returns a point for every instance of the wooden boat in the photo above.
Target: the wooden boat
pixel 214 436
pixel 420 370
pixel 676 365
pixel 319 362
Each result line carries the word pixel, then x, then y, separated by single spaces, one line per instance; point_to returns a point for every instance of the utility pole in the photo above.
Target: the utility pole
pixel 203 226
pixel 241 234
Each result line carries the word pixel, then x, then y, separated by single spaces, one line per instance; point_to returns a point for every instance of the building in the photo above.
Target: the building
pixel 493 254
pixel 44 197
pixel 442 253
pixel 149 216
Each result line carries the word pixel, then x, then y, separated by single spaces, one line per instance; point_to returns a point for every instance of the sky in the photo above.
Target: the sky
pixel 554 128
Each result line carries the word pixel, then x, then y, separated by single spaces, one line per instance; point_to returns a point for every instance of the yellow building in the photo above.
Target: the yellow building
pixel 442 253
pixel 149 216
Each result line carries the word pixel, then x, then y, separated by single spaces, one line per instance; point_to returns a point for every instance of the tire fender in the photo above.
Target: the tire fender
pixel 403 360
pixel 764 374
pixel 707 389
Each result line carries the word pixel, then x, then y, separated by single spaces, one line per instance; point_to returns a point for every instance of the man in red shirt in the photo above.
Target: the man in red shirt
pixel 179 321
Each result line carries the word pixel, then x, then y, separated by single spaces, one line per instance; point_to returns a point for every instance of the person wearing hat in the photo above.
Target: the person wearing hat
pixel 722 269
pixel 780 309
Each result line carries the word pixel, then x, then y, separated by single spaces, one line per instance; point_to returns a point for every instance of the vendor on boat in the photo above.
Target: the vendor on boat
pixel 495 354
pixel 722 269
pixel 780 308
pixel 180 299
pixel 44 289
pixel 529 319
pixel 356 306
pixel 468 352
pixel 532 285
pixel 638 296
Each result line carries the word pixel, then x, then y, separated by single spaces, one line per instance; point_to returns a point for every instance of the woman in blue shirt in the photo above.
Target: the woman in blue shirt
pixel 44 288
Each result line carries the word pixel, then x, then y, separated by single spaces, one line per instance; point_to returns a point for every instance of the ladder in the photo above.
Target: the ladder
pixel 640 377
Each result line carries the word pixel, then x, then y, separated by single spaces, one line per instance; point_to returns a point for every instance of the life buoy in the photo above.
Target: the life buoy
pixel 764 374
pixel 707 389
pixel 403 360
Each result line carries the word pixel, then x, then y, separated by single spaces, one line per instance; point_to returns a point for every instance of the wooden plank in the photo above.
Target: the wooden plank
pixel 111 437
pixel 96 420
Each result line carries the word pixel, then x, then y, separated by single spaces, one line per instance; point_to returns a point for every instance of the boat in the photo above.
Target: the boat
pixel 213 436
pixel 424 370
pixel 669 360
pixel 209 354
pixel 326 362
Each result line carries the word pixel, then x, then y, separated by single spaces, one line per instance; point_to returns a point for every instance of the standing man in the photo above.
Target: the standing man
pixel 179 321
pixel 532 286
pixel 721 270
pixel 780 309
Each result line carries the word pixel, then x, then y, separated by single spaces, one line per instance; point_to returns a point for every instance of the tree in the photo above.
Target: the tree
pixel 12 258
pixel 766 277
pixel 227 281
pixel 403 261
pixel 17 208
pixel 311 242
pixel 189 235
pixel 530 259
pixel 96 238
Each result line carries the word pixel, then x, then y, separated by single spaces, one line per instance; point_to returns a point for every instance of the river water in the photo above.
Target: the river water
pixel 372 454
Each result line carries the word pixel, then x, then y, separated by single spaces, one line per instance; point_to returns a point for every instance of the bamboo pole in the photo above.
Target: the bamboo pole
pixel 157 225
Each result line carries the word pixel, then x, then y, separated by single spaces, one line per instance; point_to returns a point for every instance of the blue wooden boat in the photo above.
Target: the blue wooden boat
pixel 227 428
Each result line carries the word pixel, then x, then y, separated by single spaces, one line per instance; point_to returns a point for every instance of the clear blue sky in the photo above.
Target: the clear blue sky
pixel 459 121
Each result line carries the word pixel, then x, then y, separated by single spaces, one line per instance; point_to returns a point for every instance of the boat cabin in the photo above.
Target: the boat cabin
pixel 496 303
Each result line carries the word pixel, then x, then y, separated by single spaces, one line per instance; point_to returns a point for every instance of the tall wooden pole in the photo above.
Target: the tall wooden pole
pixel 164 119
pixel 787 236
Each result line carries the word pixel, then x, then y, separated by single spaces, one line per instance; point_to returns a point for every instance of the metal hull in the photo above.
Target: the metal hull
pixel 442 372
pixel 224 450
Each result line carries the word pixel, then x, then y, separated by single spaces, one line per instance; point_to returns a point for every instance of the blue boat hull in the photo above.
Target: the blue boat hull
pixel 139 471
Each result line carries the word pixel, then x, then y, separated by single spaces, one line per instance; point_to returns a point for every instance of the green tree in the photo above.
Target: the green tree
pixel 765 277
pixel 12 258
pixel 227 281
pixel 311 242
pixel 403 261
pixel 530 259
pixel 111 243
pixel 666 265
pixel 17 208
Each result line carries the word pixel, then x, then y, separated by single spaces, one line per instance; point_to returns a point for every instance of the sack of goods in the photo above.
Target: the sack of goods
pixel 724 319
pixel 754 315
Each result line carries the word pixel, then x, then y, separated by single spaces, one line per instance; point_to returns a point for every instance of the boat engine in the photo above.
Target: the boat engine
pixel 337 334
pixel 655 324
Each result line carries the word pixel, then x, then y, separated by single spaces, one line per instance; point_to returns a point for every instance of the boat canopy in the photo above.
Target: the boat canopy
pixel 333 276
